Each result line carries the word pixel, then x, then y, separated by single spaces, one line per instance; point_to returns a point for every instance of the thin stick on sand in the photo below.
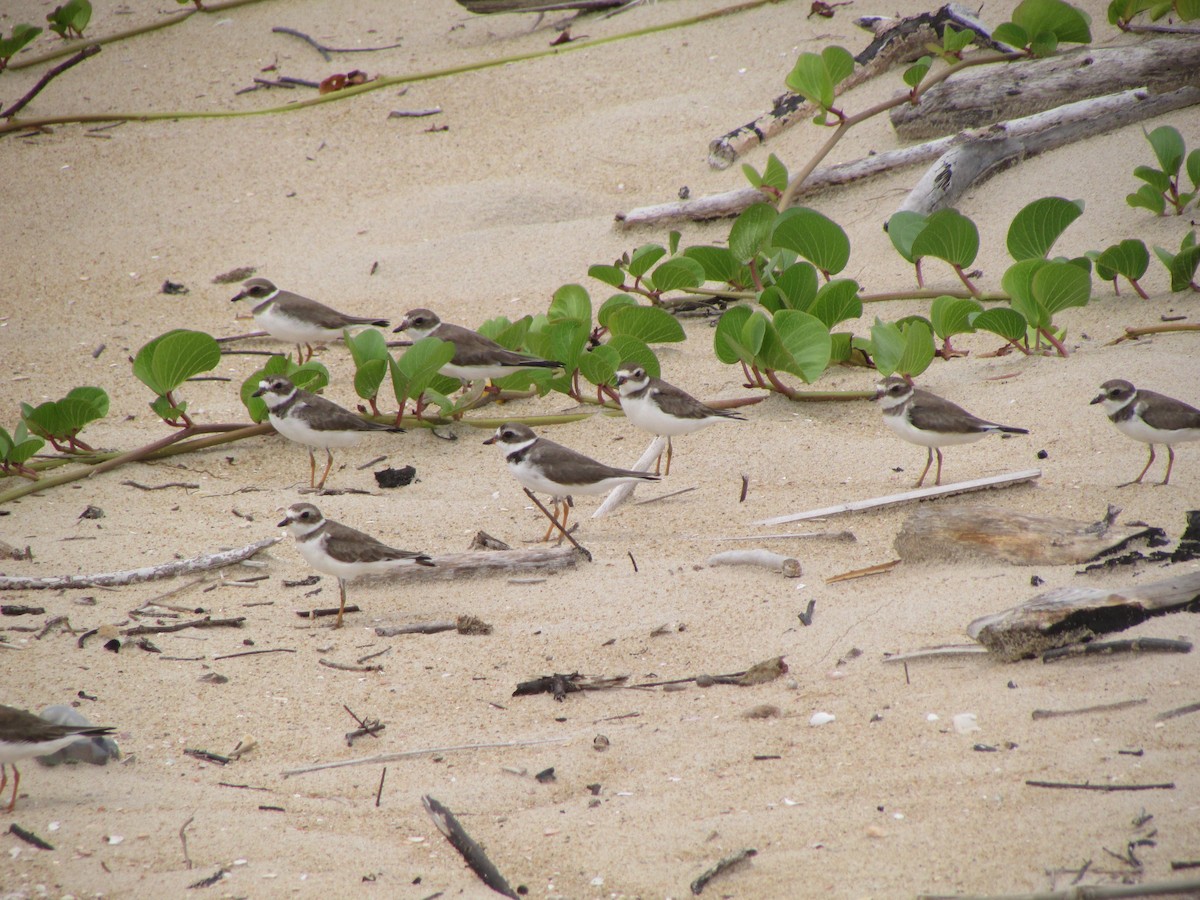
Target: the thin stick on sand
pixel 408 754
pixel 776 562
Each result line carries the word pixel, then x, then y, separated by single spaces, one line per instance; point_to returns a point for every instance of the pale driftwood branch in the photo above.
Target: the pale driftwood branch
pixel 976 98
pixel 409 754
pixel 969 532
pixel 896 41
pixel 480 562
pixel 847 536
pixel 1090 892
pixel 945 490
pixel 136 576
pixel 463 625
pixel 776 562
pixel 1104 648
pixel 1087 710
pixel 933 652
pixel 1136 104
pixel 623 492
pixel 467 848
pixel 993 149
pixel 1068 615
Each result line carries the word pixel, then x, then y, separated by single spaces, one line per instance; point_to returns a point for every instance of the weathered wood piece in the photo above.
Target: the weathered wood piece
pixel 488 7
pixel 990 150
pixel 971 99
pixel 945 534
pixel 1106 648
pixel 623 492
pixel 136 576
pixel 487 562
pixel 1068 615
pixel 896 41
pixel 943 490
pixel 776 562
pixel 470 851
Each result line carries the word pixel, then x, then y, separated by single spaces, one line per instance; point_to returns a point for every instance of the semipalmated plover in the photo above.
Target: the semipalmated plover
pixel 663 409
pixel 297 320
pixel 926 419
pixel 24 735
pixel 311 420
pixel 1151 418
pixel 342 551
pixel 542 465
pixel 475 356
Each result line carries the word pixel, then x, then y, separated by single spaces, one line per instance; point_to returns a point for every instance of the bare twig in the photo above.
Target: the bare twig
pixel 89 50
pixel 327 51
pixel 1181 711
pixel 1103 707
pixel 554 521
pixel 776 562
pixel 158 487
pixel 348 667
pixel 187 860
pixel 206 622
pixel 408 754
pixel 722 866
pixel 879 569
pixel 254 653
pixel 1063 785
pixel 468 848
pixel 136 576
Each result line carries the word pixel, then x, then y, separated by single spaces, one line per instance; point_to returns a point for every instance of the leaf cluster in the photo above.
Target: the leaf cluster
pixel 18 448
pixel 1039 26
pixel 169 360
pixel 60 421
pixel 1122 12
pixel 1162 184
pixel 70 19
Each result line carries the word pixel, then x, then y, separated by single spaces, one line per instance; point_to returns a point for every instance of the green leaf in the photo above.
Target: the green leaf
pixel 165 410
pixel 1060 285
pixel 1183 267
pixel 413 372
pixel 728 345
pixel 752 176
pixel 1129 258
pixel 839 63
pixel 903 228
pixel 719 263
pixel 948 235
pixel 916 73
pixel 905 348
pixel 954 41
pixel 599 365
pixel 62 419
pixel 20 447
pixel 631 350
pixel 918 350
pixel 365 346
pixel 1188 10
pixel 775 174
pixel 806 340
pixel 1168 149
pixel 840 347
pixel 1193 163
pixel 70 18
pixel 677 274
pixel 810 79
pixel 1043 44
pixel 750 231
pixel 648 324
pixel 611 305
pixel 570 301
pixel 21 35
pixel 1066 23
pixel 1158 180
pixel 773 298
pixel 1036 227
pixel 952 315
pixel 1011 34
pixel 1017 282
pixel 673 243
pixel 610 275
pixel 1120 11
pixel 369 376
pixel 814 236
pixel 797 285
pixel 1008 323
pixel 170 359
pixel 1147 197
pixel 836 302
pixel 644 258
pixel 95 397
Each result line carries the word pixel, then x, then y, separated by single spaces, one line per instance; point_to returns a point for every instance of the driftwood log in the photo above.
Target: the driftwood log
pixel 896 41
pixel 989 150
pixel 979 97
pixel 1064 124
pixel 488 562
pixel 947 534
pixel 1069 615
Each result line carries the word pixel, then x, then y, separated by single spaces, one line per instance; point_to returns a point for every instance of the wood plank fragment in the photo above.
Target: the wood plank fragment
pixel 1087 710
pixel 879 569
pixel 470 851
pixel 1069 615
pixel 945 490
pixel 951 534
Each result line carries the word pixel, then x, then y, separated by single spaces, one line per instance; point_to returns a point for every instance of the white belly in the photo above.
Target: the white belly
pixel 531 478
pixel 478 373
pixel 297 430
pixel 293 331
pixel 11 753
pixel 904 428
pixel 322 562
pixel 645 414
pixel 1135 428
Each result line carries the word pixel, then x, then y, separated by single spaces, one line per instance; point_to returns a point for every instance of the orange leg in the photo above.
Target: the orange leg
pixel 16 783
pixel 312 469
pixel 1149 463
pixel 668 472
pixel 328 466
pixel 938 479
pixel 925 471
pixel 1170 462
pixel 342 608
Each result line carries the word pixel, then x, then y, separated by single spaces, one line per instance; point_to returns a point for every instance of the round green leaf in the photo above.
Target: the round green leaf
pixel 644 258
pixel 806 339
pixel 1168 149
pixel 648 324
pixel 678 273
pixel 810 79
pixel 797 285
pixel 727 336
pixel 369 376
pixel 1066 23
pixel 719 263
pixel 1059 285
pixel 610 275
pixel 599 365
pixel 631 350
pixel 903 228
pixel 611 305
pixel 1008 323
pixel 571 301
pixel 952 315
pixel 814 236
pixel 750 231
pixel 1010 34
pixel 948 235
pixel 1017 282
pixel 836 302
pixel 413 372
pixel 1036 227
pixel 839 63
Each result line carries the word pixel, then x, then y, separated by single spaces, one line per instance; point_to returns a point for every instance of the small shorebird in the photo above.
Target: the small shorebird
pixel 926 419
pixel 1151 418
pixel 342 551
pixel 542 465
pixel 312 420
pixel 475 356
pixel 297 320
pixel 24 735
pixel 663 409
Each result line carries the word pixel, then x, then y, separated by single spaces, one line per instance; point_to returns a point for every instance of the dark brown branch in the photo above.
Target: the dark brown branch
pixel 558 525
pixel 1063 785
pixel 470 851
pixel 1103 707
pixel 29 837
pixel 89 50
pixel 1137 645
pixel 254 653
pixel 206 622
pixel 326 51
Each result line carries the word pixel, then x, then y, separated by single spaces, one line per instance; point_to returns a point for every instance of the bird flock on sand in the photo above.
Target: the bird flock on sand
pixel 539 464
